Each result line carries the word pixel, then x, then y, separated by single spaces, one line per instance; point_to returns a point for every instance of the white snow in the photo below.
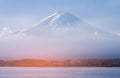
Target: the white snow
pixel 55 18
pixel 49 17
pixel 59 18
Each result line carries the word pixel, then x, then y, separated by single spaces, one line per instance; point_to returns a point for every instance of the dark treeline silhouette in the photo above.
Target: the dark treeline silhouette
pixel 62 63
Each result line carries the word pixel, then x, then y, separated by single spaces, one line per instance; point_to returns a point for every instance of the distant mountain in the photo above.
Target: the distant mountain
pixel 66 23
pixel 56 20
pixel 60 21
pixel 61 63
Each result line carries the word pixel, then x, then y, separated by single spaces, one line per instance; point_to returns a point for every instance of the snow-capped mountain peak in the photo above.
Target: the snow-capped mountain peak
pixel 59 19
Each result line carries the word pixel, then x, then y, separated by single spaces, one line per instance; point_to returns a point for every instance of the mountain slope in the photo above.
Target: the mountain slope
pixel 61 23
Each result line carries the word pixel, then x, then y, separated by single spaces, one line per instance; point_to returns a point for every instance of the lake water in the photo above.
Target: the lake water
pixel 71 72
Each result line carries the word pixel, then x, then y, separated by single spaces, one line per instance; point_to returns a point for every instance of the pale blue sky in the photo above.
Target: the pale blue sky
pixel 101 13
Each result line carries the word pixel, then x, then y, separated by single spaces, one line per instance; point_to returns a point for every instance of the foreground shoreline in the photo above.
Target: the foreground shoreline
pixel 61 63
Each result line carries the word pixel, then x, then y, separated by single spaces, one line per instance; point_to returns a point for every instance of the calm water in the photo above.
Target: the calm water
pixel 34 72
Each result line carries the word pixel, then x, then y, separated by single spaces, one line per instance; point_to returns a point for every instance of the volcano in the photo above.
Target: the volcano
pixel 60 23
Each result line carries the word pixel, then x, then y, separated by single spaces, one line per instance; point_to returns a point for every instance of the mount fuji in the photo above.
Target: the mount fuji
pixel 58 20
pixel 60 23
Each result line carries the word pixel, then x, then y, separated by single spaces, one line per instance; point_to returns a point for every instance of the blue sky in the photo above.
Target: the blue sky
pixel 104 14
pixel 42 7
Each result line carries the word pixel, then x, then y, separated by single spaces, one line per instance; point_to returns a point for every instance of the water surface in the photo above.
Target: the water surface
pixel 47 72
